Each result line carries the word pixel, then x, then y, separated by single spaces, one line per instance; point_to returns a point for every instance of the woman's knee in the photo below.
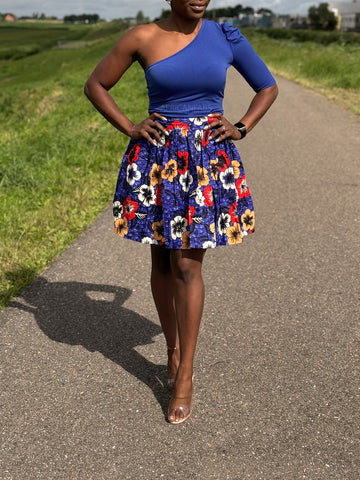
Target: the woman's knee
pixel 186 268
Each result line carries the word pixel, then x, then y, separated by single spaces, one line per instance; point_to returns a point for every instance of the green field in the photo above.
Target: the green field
pixel 59 159
pixel 329 67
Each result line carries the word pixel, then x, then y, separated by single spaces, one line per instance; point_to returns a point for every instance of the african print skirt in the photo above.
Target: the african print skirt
pixel 188 193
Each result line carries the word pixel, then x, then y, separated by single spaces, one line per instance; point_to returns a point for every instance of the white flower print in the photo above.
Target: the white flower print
pixel 117 210
pixel 178 227
pixel 186 180
pixel 147 195
pixel 198 120
pixel 132 174
pixel 224 221
pixel 200 199
pixel 243 186
pixel 198 140
pixel 149 241
pixel 227 178
pixel 209 244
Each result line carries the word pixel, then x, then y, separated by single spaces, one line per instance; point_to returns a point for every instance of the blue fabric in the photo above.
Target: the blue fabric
pixel 191 82
pixel 188 193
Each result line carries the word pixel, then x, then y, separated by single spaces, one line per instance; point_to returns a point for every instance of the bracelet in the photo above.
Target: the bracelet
pixel 241 128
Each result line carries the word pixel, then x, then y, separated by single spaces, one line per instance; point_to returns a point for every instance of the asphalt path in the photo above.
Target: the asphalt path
pixel 83 360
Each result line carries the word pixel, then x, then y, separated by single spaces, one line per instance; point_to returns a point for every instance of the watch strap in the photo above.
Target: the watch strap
pixel 242 129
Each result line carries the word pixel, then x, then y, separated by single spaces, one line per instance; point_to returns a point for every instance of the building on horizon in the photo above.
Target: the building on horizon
pixel 347 14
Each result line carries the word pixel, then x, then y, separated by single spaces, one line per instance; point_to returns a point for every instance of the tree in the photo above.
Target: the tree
pixel 264 10
pixel 248 11
pixel 140 17
pixel 321 18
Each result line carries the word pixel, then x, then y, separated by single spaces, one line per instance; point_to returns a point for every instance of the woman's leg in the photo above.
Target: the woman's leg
pixel 162 287
pixel 189 301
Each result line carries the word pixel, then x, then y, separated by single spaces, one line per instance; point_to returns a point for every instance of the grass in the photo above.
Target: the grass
pixel 332 69
pixel 59 159
pixel 22 39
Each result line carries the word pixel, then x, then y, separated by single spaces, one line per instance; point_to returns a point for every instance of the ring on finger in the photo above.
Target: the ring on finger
pixel 223 129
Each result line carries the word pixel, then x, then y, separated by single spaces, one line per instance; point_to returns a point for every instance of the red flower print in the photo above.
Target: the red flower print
pixel 233 213
pixel 242 188
pixel 189 215
pixel 223 161
pixel 133 155
pixel 176 124
pixel 212 119
pixel 158 195
pixel 130 208
pixel 208 196
pixel 205 138
pixel 183 162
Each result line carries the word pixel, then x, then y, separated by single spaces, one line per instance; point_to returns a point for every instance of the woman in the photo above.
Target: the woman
pixel 181 186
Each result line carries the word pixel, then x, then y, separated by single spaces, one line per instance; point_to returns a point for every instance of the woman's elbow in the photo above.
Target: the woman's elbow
pixel 274 91
pixel 87 88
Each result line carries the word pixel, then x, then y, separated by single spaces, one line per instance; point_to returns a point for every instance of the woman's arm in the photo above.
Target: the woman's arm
pixel 107 73
pixel 259 105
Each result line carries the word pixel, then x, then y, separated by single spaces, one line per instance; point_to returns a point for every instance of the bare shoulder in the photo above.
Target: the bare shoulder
pixel 142 33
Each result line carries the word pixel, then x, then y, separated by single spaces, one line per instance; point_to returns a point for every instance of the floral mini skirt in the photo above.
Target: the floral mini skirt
pixel 189 192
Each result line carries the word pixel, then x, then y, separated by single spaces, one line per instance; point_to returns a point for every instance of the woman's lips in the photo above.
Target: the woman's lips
pixel 197 7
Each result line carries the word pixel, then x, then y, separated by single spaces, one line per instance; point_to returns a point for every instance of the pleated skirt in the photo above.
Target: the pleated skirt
pixel 189 192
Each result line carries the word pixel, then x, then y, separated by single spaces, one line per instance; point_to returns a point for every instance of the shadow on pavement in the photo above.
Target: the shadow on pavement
pixel 93 316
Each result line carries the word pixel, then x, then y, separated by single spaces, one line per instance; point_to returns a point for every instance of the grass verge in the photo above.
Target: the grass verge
pixel 331 69
pixel 59 158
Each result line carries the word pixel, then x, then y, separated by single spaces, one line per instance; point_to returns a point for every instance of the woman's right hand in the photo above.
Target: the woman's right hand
pixel 150 129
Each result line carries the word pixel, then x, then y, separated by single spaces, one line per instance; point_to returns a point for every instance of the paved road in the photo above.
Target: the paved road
pixel 277 368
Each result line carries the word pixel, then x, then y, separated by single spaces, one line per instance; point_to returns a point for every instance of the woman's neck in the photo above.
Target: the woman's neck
pixel 182 25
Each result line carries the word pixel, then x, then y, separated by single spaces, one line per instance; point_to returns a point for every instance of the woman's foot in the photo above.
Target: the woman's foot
pixel 180 404
pixel 173 364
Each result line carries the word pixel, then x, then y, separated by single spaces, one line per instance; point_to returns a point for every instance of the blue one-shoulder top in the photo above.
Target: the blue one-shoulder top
pixel 191 82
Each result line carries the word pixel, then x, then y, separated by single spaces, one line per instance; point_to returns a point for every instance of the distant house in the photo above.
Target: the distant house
pixel 9 18
pixel 348 15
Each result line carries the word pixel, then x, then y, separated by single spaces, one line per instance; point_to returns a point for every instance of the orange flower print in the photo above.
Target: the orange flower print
pixel 214 170
pixel 158 231
pixel 185 237
pixel 236 165
pixel 184 130
pixel 248 220
pixel 121 227
pixel 155 174
pixel 234 234
pixel 202 176
pixel 212 229
pixel 170 171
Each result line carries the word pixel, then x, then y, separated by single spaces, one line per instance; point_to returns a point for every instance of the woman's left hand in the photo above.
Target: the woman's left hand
pixel 222 128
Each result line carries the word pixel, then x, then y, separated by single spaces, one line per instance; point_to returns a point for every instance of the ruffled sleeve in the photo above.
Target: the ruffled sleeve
pixel 246 61
pixel 232 34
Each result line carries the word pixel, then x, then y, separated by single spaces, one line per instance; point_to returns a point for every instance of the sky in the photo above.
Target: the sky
pixel 109 9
